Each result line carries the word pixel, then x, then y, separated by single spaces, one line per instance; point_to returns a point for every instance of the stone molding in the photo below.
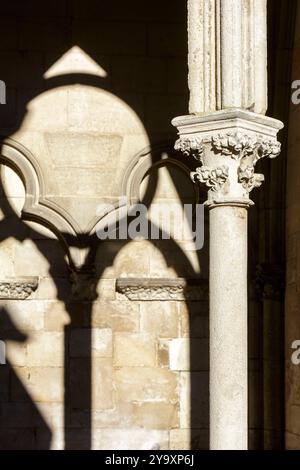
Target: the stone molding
pixel 18 289
pixel 228 144
pixel 167 289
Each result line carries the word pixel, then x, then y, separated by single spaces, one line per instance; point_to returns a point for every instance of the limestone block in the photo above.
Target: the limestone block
pixel 194 319
pixel 98 380
pixel 46 349
pixel 180 439
pixel 186 354
pixel 144 384
pixel 194 399
pixel 156 415
pixel 175 261
pixel 99 340
pixel 120 316
pixel 130 439
pixel 185 439
pixel 102 386
pixel 53 414
pixel 28 261
pixel 106 254
pixel 106 289
pixel 27 316
pixel 44 384
pixel 56 315
pixel 48 288
pixel 160 318
pixel 137 349
pixel 121 416
pixel 7 258
pixel 185 399
pixel 133 260
pixel 163 359
pixel 16 353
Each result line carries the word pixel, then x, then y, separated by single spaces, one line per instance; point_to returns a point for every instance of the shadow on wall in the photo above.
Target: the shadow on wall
pixel 22 425
pixel 142 49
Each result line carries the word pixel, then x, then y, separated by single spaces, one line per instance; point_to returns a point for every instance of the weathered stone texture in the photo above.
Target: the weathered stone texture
pixel 82 359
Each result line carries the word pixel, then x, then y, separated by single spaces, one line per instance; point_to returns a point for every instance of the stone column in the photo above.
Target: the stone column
pixel 228 134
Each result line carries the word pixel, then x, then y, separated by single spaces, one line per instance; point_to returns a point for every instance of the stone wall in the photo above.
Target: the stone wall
pixel 87 366
pixel 107 343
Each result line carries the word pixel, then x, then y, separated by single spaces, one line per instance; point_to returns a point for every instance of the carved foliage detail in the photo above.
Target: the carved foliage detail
pixel 244 149
pixel 239 145
pixel 190 146
pixel 214 179
pixel 162 289
pixel 249 179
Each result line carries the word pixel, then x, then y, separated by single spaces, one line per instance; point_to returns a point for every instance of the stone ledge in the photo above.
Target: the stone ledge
pixel 18 288
pixel 147 289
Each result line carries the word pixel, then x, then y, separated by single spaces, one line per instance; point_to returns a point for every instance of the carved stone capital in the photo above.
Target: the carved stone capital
pixel 228 144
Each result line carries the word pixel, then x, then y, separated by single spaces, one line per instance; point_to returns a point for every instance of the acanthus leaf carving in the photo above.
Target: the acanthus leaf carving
pixel 249 178
pixel 230 143
pixel 190 146
pixel 214 179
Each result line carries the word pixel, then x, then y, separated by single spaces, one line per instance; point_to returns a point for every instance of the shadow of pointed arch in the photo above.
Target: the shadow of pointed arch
pixel 81 302
pixel 77 296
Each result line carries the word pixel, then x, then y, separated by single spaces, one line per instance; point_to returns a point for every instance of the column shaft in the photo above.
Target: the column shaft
pixel 227 133
pixel 228 328
pixel 227 57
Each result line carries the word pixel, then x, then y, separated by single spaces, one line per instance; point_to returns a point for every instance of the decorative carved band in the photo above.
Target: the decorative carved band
pixel 163 289
pixel 18 289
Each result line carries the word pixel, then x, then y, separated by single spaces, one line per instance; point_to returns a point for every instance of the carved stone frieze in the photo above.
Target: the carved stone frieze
pixel 18 289
pixel 162 289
